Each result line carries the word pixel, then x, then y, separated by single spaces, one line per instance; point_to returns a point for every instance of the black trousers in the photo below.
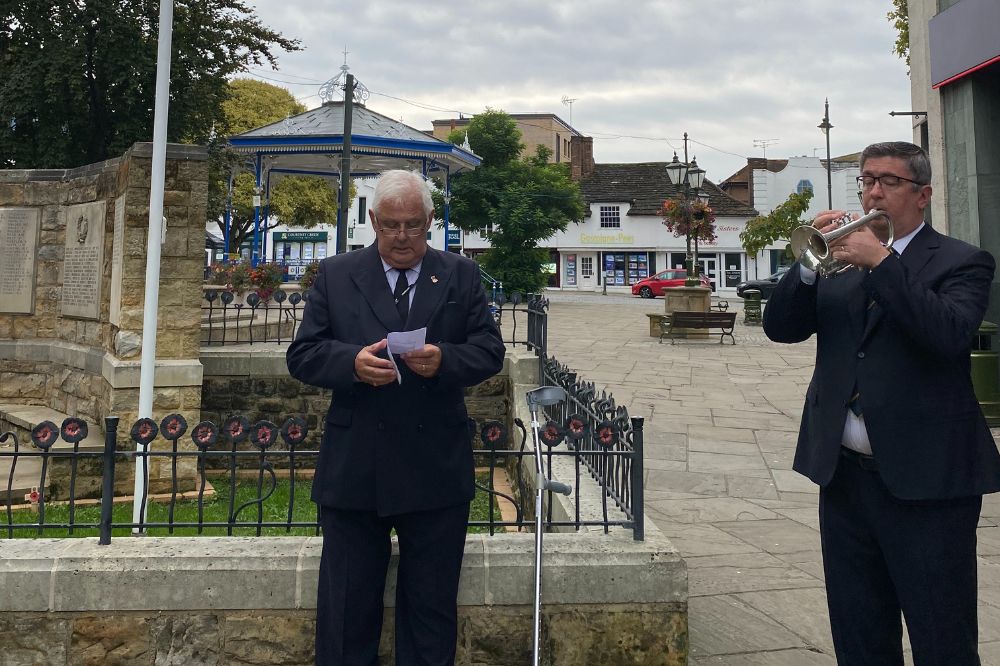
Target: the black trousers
pixel 352 572
pixel 883 555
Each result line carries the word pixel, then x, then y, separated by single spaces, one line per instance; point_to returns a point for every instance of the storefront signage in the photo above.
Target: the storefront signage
pixel 300 236
pixel 607 239
pixel 571 270
pixel 454 237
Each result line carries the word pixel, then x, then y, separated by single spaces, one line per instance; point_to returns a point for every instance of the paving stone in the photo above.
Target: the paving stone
pixel 749 487
pixel 694 540
pixel 690 482
pixel 699 461
pixel 732 448
pixel 744 572
pixel 794 657
pixel 774 536
pixel 711 509
pixel 802 611
pixel 793 482
pixel 725 625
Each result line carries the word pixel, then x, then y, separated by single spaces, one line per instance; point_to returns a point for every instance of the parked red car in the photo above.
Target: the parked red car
pixel 654 285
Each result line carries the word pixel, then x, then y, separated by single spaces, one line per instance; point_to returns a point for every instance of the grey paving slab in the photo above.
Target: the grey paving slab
pixel 744 572
pixel 802 611
pixel 793 657
pixel 710 510
pixel 774 536
pixel 725 625
pixel 700 461
pixel 692 540
pixel 750 487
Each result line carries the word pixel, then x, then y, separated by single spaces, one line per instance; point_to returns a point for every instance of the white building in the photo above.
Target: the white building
pixel 766 184
pixel 622 239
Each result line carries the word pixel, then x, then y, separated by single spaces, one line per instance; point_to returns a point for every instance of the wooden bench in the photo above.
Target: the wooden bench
pixel 699 320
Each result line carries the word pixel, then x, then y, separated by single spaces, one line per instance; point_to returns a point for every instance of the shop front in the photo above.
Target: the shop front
pixel 298 249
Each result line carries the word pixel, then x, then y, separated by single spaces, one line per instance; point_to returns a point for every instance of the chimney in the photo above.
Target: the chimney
pixel 581 149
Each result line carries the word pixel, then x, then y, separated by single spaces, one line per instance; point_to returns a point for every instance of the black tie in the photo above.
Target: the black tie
pixel 401 294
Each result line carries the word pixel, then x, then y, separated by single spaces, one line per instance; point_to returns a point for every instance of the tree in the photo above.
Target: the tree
pixel 778 225
pixel 900 19
pixel 298 201
pixel 78 76
pixel 516 202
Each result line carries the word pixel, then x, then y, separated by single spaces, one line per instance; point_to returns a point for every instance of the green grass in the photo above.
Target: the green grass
pixel 215 509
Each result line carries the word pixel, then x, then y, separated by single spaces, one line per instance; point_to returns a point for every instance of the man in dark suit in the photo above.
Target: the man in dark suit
pixel 394 455
pixel 891 429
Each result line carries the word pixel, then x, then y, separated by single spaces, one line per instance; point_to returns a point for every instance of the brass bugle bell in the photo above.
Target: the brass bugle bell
pixel 813 248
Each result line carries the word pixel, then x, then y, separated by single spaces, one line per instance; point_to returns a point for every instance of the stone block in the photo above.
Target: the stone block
pixel 494 386
pixel 259 638
pixel 187 640
pixel 34 640
pixel 106 641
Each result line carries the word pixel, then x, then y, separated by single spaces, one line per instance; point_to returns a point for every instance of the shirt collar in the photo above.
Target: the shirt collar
pixel 899 244
pixel 415 269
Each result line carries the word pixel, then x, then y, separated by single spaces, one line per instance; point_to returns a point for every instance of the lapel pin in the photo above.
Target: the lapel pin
pixel 434 279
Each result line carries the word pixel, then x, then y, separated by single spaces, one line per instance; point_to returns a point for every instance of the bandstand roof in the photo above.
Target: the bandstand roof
pixel 312 143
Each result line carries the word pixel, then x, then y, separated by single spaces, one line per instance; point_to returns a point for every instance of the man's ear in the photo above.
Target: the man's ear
pixel 924 198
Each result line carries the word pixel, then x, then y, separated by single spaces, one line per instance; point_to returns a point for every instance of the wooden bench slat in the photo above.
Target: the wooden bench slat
pixel 703 320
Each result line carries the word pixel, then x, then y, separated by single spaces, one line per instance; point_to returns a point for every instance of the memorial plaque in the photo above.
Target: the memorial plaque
pixel 19 228
pixel 117 259
pixel 83 260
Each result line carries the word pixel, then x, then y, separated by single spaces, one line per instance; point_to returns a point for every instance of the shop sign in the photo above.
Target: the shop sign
pixel 454 237
pixel 607 239
pixel 300 236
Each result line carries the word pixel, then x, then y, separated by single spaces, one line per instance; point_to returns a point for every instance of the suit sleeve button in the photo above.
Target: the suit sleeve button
pixel 861 354
pixel 381 426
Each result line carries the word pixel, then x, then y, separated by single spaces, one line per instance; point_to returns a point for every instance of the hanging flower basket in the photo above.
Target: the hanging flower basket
pixel 692 219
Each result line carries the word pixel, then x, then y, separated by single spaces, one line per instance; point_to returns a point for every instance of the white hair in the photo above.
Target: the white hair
pixel 396 184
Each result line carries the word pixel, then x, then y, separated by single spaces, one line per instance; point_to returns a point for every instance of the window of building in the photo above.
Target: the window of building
pixel 558 145
pixel 611 217
pixel 803 186
pixel 362 210
pixel 626 268
pixel 587 267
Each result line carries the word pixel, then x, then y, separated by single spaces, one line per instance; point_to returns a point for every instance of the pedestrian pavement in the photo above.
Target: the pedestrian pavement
pixel 720 428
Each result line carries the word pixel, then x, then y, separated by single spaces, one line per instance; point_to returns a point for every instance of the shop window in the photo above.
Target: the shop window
pixel 623 269
pixel 611 217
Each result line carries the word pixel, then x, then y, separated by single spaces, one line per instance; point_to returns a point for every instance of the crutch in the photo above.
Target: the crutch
pixel 541 397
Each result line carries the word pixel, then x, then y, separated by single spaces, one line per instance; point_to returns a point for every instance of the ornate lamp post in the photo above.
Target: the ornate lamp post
pixel 692 178
pixel 825 127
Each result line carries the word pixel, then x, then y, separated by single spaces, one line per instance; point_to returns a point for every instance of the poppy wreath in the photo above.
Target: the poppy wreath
pixel 144 431
pixel 552 434
pixel 236 429
pixel 44 435
pixel 294 431
pixel 173 426
pixel 263 434
pixel 576 427
pixel 205 434
pixel 493 434
pixel 606 434
pixel 74 430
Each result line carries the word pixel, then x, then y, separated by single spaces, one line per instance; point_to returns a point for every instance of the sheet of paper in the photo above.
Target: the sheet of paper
pixel 406 341
pixel 402 342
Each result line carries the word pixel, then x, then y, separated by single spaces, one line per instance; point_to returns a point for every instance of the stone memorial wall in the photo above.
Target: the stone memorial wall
pixel 72 281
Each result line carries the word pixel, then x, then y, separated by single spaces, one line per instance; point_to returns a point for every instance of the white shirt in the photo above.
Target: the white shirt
pixel 855 435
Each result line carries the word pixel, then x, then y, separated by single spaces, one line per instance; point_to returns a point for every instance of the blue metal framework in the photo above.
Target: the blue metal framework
pixel 301 145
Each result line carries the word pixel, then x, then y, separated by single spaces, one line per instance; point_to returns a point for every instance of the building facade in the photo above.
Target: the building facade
pixel 537 129
pixel 955 92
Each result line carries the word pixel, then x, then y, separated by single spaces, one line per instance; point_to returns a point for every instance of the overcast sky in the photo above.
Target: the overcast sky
pixel 642 72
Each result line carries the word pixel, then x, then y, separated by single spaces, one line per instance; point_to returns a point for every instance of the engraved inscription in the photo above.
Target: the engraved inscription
pixel 18 242
pixel 83 260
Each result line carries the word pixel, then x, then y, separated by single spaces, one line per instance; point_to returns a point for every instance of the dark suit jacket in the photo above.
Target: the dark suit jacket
pixel 396 448
pixel 910 360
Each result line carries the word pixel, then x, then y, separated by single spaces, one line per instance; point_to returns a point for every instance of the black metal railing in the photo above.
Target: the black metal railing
pixel 603 440
pixel 233 470
pixel 228 319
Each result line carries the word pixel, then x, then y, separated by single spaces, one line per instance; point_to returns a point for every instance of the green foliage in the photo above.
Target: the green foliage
pixel 298 201
pixel 493 135
pixel 900 19
pixel 778 225
pixel 78 78
pixel 520 202
pixel 309 275
pixel 456 136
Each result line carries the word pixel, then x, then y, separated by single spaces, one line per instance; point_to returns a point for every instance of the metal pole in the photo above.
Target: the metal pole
pixel 108 478
pixel 345 166
pixel 151 300
pixel 255 249
pixel 228 218
pixel 638 496
pixel 829 178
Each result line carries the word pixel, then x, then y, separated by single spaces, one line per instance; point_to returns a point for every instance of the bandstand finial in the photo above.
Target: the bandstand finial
pixel 333 89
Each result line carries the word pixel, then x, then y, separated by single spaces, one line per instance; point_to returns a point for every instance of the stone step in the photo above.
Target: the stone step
pixel 20 419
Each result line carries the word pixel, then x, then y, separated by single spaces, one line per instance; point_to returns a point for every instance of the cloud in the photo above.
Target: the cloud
pixel 727 73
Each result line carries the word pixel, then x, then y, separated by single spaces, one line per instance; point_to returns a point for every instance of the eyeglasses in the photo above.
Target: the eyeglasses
pixel 886 180
pixel 410 230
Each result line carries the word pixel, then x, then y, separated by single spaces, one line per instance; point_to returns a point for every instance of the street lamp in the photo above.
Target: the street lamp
pixel 825 127
pixel 692 178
